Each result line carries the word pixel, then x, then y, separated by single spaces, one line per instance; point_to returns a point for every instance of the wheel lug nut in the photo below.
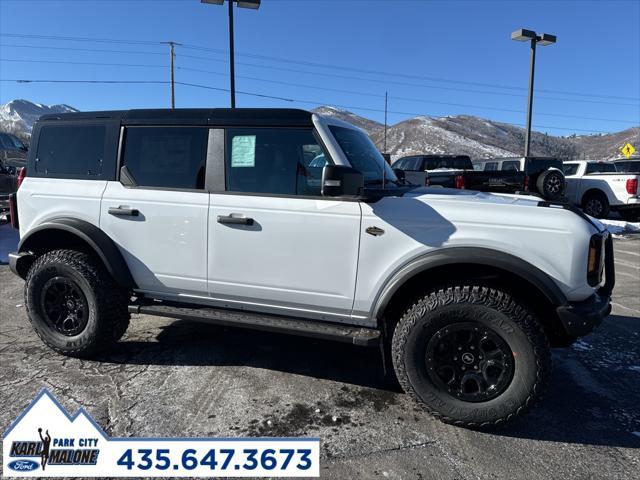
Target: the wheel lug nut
pixel 463 367
pixel 455 358
pixel 459 348
pixel 473 348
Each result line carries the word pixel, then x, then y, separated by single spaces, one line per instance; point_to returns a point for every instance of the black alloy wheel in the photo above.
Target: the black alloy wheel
pixel 64 306
pixel 469 361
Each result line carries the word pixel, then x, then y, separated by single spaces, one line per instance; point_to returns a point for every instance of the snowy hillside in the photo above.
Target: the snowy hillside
pixel 18 116
pixel 481 138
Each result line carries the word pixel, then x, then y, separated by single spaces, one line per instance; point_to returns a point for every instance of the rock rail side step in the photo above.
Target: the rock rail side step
pixel 367 337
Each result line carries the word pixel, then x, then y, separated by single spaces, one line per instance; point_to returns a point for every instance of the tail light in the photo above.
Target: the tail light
pixel 526 183
pixel 632 186
pixel 459 179
pixel 13 210
pixel 22 172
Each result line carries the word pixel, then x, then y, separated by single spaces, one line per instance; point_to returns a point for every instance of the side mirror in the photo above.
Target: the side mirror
pixel 400 175
pixel 338 181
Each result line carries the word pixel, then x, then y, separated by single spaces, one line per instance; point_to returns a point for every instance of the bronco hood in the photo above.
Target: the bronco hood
pixel 470 196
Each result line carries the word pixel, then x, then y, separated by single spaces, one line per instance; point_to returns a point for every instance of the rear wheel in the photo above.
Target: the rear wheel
pixel 596 205
pixel 73 303
pixel 471 356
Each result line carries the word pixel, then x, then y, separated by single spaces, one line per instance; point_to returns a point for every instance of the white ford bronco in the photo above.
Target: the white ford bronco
pixel 286 221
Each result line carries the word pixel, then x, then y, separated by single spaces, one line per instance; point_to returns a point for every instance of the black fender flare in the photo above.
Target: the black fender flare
pixel 467 255
pixel 99 241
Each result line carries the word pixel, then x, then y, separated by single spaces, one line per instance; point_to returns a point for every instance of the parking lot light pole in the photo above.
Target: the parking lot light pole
pixel 544 39
pixel 252 4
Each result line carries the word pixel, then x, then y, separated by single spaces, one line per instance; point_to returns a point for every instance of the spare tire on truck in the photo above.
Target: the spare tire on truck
pixel 551 184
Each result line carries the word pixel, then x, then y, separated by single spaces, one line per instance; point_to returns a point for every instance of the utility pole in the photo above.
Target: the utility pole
pixel 385 122
pixel 232 69
pixel 172 56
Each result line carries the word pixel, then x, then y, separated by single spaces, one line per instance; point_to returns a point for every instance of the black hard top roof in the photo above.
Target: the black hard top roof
pixel 208 116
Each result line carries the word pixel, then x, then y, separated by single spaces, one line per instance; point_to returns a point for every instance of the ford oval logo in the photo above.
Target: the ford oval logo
pixel 23 465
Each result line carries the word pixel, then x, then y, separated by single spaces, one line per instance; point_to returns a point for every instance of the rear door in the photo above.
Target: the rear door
pixel 275 244
pixel 156 211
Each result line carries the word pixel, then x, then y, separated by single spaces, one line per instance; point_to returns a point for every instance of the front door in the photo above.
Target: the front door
pixel 157 212
pixel 275 244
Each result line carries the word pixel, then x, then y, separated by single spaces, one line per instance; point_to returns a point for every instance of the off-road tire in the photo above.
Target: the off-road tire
pixel 494 309
pixel 596 205
pixel 108 316
pixel 551 184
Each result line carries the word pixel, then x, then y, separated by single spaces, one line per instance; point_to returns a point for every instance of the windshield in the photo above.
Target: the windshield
pixel 364 156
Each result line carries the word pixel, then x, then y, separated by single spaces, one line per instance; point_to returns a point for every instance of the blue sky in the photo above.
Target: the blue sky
pixel 432 57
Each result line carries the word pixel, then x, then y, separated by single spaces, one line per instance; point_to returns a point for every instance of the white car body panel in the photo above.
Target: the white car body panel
pixel 300 255
pixel 166 246
pixel 41 199
pixel 429 219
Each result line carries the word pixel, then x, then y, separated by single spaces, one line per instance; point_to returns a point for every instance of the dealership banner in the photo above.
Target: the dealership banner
pixel 45 441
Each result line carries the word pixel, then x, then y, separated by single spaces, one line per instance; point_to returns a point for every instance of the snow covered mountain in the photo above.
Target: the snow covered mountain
pixel 461 134
pixel 481 138
pixel 18 116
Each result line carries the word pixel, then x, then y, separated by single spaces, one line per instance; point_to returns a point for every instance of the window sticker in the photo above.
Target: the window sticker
pixel 243 151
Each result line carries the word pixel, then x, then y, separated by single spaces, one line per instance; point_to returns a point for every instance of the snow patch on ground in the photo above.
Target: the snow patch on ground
pixel 618 227
pixel 635 368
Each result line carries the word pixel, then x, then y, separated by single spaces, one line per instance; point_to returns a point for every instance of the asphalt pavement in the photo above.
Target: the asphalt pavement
pixel 174 378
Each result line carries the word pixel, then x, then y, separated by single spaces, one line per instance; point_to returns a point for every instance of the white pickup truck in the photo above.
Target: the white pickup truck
pixel 599 188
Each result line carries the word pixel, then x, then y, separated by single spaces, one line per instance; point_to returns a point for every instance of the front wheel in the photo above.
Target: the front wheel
pixel 471 356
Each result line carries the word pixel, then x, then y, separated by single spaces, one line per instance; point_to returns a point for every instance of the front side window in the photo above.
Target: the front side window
pixel 71 149
pixel 363 156
pixel 278 161
pixel 166 157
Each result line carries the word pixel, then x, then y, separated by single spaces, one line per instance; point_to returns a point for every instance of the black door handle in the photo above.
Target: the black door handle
pixel 124 211
pixel 235 220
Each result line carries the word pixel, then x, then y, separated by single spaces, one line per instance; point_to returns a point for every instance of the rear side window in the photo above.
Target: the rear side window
pixel 570 169
pixel 490 166
pixel 75 150
pixel 600 168
pixel 166 157
pixel 279 161
pixel 511 165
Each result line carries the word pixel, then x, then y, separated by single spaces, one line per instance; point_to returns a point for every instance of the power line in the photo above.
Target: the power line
pixel 421 100
pixel 318 65
pixel 286 99
pixel 350 77
pixel 351 92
